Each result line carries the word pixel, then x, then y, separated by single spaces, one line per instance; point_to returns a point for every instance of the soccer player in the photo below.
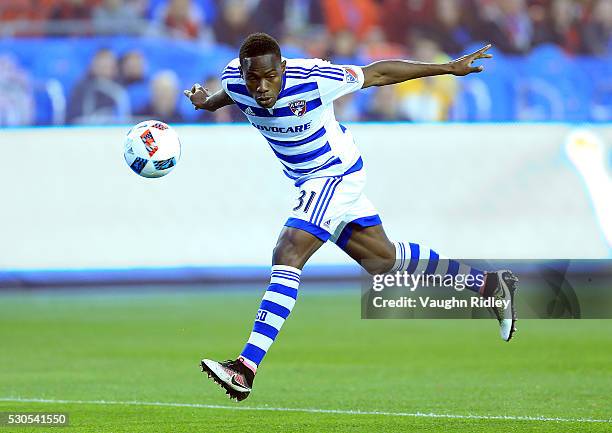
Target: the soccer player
pixel 290 102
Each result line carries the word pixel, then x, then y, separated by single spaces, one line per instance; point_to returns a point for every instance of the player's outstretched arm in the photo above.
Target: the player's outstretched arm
pixel 202 99
pixel 396 71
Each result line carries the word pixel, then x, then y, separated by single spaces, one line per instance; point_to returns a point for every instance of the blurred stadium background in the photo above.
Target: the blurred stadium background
pixel 520 152
pixel 513 163
pixel 116 61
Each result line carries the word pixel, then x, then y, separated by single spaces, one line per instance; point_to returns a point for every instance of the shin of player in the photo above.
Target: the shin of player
pixel 275 307
pixel 418 259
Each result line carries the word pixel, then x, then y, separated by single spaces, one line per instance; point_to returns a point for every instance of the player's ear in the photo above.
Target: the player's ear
pixel 283 64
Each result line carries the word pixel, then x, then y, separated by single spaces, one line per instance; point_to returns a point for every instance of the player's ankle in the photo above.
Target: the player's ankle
pixel 248 364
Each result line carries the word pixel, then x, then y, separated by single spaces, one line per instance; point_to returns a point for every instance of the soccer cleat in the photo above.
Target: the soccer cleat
pixel 233 376
pixel 504 289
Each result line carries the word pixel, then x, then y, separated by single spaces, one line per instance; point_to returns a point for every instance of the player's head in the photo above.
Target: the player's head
pixel 262 68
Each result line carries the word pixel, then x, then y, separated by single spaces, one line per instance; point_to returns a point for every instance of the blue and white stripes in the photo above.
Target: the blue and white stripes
pixel 325 197
pixel 418 259
pixel 301 128
pixel 230 72
pixel 276 305
pixel 306 155
pixel 298 72
pixel 331 72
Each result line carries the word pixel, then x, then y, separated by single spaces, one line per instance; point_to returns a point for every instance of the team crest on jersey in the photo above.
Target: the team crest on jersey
pixel 149 142
pixel 350 76
pixel 298 107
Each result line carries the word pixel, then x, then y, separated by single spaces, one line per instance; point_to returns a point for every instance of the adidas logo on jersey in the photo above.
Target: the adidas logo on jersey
pixel 249 111
pixel 327 223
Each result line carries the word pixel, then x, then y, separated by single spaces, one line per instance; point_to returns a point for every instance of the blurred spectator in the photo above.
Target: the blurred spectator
pixel 16 96
pixel 140 7
pixel 427 99
pixel 540 16
pixel 70 10
pixel 506 24
pixel 344 48
pixel 227 114
pixel 132 68
pixel 562 28
pixel 98 97
pixel 133 76
pixel 344 31
pixel 401 18
pixel 117 17
pixel 182 19
pixel 12 10
pixel 287 17
pixel 234 23
pixel 597 28
pixel 22 17
pixel 353 16
pixel 298 44
pixel 384 105
pixel 315 41
pixel 376 47
pixel 451 31
pixel 163 99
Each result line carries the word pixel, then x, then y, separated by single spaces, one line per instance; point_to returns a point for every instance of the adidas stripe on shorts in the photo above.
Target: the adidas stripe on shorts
pixel 325 206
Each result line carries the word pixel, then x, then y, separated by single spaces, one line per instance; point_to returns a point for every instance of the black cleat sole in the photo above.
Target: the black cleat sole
pixel 231 393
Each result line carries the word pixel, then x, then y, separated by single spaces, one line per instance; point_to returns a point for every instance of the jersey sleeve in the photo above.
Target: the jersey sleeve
pixel 230 73
pixel 339 80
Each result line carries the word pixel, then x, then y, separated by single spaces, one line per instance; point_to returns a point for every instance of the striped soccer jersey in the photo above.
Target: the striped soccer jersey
pixel 301 127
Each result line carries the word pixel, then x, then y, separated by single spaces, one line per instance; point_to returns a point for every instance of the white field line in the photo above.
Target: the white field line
pixel 306 410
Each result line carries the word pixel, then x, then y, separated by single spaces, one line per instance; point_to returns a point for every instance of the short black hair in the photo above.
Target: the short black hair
pixel 259 44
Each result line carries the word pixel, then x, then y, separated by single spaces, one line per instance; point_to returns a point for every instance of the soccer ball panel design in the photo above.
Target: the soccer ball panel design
pixel 152 149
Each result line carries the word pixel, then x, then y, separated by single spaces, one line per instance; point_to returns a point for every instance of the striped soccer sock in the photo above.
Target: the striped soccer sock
pixel 277 303
pixel 418 259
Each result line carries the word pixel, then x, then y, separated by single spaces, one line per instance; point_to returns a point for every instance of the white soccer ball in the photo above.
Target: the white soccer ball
pixel 152 149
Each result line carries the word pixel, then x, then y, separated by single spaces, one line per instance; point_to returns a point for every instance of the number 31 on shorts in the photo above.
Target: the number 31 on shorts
pixel 305 199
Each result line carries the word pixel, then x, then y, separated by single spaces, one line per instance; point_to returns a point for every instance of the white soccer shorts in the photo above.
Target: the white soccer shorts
pixel 325 206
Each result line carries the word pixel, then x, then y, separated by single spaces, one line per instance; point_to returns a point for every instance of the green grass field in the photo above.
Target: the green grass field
pixel 129 363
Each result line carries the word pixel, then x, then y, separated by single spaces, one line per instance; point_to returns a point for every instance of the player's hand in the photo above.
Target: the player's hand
pixel 463 65
pixel 198 96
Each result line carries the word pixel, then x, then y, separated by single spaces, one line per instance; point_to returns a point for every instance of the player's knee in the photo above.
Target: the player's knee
pixel 286 252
